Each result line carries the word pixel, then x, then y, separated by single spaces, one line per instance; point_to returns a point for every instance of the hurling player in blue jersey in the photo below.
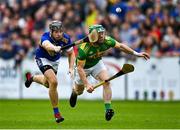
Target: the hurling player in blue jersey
pixel 47 58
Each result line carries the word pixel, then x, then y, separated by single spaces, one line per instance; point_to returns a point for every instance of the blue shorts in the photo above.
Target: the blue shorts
pixel 45 64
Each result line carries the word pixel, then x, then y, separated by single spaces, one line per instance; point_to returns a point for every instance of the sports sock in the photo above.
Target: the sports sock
pixel 29 77
pixel 107 106
pixel 56 110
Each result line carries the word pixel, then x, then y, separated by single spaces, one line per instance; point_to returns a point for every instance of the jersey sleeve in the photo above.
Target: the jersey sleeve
pixel 43 38
pixel 110 41
pixel 69 42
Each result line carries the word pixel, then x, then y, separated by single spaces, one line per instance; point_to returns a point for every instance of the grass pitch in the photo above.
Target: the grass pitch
pixel 31 114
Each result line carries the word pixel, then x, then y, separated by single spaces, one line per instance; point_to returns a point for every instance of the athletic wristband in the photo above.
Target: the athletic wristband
pixel 135 53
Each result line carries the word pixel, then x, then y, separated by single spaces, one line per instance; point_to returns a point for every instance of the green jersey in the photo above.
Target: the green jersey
pixel 92 54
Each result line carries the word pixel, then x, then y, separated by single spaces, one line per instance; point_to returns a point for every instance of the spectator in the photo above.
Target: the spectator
pixel 148 44
pixel 165 49
pixel 92 14
pixel 125 33
pixel 9 51
pixel 158 22
pixel 169 36
pixel 176 47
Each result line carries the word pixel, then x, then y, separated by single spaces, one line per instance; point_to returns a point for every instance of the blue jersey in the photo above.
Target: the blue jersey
pixel 42 53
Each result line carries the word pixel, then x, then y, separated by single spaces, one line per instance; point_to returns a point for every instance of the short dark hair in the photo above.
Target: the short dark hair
pixel 55 25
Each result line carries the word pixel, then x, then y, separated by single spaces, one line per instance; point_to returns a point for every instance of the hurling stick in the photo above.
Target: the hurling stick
pixel 127 68
pixel 91 37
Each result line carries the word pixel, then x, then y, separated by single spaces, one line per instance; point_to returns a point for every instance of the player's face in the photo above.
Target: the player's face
pixel 101 37
pixel 57 34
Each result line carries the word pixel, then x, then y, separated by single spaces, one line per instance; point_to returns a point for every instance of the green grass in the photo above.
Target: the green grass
pixel 89 114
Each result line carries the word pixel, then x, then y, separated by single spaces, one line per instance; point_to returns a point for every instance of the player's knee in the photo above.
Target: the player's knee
pixel 53 83
pixel 79 90
pixel 45 83
pixel 107 84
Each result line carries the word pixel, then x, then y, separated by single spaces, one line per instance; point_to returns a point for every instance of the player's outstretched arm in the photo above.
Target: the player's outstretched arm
pixel 82 75
pixel 71 59
pixel 128 50
pixel 48 46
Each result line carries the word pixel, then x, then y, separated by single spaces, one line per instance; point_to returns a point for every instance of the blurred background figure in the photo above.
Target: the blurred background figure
pixel 24 21
pixel 10 50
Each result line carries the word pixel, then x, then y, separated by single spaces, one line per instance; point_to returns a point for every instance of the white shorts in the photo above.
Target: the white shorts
pixel 41 62
pixel 93 71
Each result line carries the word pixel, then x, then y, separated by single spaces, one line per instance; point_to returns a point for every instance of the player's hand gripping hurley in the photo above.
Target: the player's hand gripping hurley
pixel 91 37
pixel 127 68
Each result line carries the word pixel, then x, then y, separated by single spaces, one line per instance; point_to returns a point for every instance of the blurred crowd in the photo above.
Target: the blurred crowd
pixel 144 25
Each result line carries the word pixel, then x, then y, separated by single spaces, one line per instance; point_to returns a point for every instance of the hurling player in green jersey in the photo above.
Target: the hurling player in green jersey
pixel 89 62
